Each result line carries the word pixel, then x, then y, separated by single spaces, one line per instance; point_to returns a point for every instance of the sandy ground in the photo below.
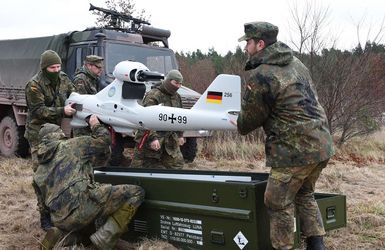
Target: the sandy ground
pixel 363 184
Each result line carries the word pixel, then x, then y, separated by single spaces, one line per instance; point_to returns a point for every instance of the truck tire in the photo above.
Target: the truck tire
pixel 12 141
pixel 189 149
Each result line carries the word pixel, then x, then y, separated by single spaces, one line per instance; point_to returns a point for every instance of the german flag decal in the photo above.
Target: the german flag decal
pixel 214 97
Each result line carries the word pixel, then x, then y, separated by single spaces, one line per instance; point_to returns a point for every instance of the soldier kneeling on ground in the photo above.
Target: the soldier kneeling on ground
pixel 78 205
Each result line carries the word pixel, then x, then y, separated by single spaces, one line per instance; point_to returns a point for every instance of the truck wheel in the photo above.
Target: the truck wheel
pixel 189 149
pixel 12 141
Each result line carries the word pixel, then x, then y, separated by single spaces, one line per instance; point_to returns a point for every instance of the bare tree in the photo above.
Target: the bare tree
pixel 308 28
pixel 378 35
pixel 363 106
pixel 309 23
pixel 198 75
pixel 351 88
pixel 350 85
pixel 360 102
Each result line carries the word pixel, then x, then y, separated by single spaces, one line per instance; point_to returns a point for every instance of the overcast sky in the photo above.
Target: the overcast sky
pixel 194 24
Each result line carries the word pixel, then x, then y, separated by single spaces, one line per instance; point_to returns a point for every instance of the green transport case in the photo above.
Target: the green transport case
pixel 208 209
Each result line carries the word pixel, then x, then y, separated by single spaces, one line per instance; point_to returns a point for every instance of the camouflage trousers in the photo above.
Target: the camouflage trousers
pixel 40 201
pixel 163 160
pixel 76 132
pixel 90 202
pixel 35 162
pixel 290 193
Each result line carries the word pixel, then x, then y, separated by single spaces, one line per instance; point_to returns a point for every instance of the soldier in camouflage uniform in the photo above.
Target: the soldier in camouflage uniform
pixel 280 97
pixel 160 149
pixel 87 77
pixel 66 180
pixel 45 95
pixel 86 82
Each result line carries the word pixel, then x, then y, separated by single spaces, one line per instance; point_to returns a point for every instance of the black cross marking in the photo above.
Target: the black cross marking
pixel 172 118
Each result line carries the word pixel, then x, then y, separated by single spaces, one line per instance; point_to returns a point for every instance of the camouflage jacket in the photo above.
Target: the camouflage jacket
pixel 85 82
pixel 169 139
pixel 281 98
pixel 66 166
pixel 45 103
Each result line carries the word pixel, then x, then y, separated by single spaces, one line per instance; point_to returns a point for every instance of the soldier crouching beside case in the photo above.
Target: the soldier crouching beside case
pixel 66 181
pixel 160 149
pixel 280 97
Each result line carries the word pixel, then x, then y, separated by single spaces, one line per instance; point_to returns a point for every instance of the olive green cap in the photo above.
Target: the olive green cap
pixel 262 30
pixel 95 60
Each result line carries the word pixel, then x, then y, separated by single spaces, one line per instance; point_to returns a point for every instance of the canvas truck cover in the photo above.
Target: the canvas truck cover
pixel 20 58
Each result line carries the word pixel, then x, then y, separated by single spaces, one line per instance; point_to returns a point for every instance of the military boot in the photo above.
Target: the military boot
pixel 107 235
pixel 52 236
pixel 315 243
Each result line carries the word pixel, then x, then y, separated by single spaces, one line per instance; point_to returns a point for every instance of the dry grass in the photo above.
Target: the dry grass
pixel 233 150
pixel 18 219
pixel 364 188
pixel 357 171
pixel 231 146
pixel 362 150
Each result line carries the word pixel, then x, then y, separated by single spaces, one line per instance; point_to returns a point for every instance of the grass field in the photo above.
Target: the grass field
pixel 357 171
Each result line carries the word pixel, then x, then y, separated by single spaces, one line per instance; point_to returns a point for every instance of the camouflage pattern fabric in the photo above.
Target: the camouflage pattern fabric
pixel 92 202
pixel 40 200
pixel 281 98
pixel 289 189
pixel 94 60
pixel 45 101
pixel 85 81
pixel 169 155
pixel 161 160
pixel 65 179
pixel 260 30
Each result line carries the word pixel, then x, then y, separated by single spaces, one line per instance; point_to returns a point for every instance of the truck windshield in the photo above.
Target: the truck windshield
pixel 156 59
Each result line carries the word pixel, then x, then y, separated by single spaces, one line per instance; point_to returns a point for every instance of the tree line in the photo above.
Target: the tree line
pixel 350 84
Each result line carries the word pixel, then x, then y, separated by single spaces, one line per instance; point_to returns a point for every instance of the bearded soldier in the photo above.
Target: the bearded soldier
pixel 280 97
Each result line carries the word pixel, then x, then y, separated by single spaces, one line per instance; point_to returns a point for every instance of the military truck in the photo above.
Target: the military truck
pixel 19 61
